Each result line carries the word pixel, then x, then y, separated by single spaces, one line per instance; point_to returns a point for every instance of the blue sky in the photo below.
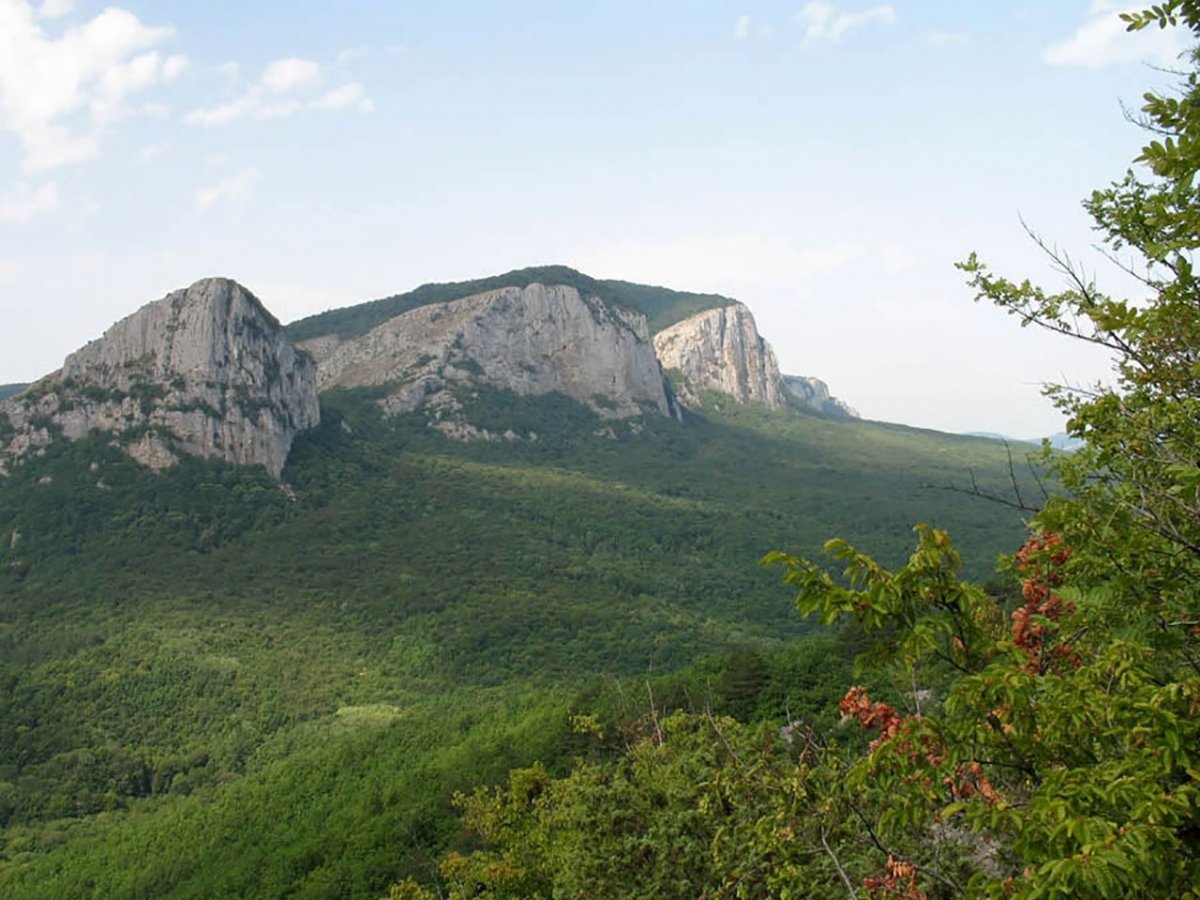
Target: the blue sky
pixel 826 163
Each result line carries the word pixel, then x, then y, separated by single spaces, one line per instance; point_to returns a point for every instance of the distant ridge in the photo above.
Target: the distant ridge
pixel 1060 440
pixel 7 390
pixel 662 307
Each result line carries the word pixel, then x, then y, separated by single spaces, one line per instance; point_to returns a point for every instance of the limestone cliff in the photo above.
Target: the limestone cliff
pixel 721 350
pixel 813 392
pixel 530 340
pixel 206 371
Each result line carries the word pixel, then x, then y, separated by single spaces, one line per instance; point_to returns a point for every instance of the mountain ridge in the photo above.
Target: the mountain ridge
pixel 661 306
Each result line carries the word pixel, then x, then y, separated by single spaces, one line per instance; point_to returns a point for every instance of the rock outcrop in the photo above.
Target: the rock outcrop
pixel 204 371
pixel 721 350
pixel 814 393
pixel 531 340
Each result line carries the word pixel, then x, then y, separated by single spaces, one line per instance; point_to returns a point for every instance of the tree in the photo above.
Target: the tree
pixel 1069 742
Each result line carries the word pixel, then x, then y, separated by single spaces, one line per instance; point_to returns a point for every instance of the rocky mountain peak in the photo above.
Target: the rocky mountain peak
pixel 534 339
pixel 814 393
pixel 206 370
pixel 721 350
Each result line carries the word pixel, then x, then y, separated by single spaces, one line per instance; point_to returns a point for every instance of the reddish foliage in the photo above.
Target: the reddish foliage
pixel 1040 560
pixel 857 705
pixel 900 881
pixel 967 781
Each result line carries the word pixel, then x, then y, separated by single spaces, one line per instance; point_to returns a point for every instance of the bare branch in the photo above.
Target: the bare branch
pixel 837 865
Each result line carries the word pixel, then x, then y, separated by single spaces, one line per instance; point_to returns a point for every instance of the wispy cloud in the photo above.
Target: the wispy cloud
pixel 348 96
pixel 1103 40
pixel 744 29
pixel 25 202
pixel 285 75
pixel 94 68
pixel 285 87
pixel 825 22
pixel 234 188
pixel 349 54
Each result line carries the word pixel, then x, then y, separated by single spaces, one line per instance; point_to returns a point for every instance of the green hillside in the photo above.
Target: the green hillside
pixel 661 306
pixel 193 658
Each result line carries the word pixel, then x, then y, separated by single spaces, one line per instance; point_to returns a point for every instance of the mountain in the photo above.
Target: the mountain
pixel 205 371
pixel 535 339
pixel 814 393
pixel 7 390
pixel 220 679
pixel 1060 440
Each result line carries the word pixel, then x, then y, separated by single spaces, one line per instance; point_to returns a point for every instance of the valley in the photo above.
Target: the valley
pixel 275 683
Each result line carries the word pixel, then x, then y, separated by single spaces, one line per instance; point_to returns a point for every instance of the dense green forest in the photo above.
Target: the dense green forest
pixel 193 656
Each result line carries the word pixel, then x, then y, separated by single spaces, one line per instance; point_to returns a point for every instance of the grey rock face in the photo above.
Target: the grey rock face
pixel 204 371
pixel 721 350
pixel 531 340
pixel 814 392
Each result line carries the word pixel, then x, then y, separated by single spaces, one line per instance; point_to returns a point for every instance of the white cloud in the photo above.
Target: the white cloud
pixel 234 188
pixel 741 28
pixel 24 202
pixel 825 22
pixel 284 75
pixel 284 89
pixel 1104 41
pixel 54 9
pixel 91 70
pixel 174 66
pixel 348 96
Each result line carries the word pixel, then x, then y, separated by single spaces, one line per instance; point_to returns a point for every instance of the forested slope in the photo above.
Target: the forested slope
pixel 194 656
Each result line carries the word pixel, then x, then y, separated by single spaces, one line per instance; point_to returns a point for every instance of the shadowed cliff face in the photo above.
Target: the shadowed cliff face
pixel 721 350
pixel 205 371
pixel 530 340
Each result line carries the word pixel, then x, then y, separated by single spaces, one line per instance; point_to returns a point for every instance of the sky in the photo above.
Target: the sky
pixel 826 163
